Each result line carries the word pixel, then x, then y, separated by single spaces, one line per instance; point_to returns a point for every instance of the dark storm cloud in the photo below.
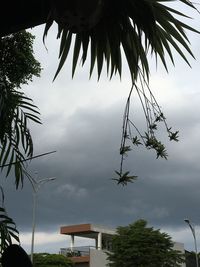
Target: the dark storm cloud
pixel 86 157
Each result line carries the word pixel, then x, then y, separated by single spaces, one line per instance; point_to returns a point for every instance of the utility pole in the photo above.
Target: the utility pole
pixel 36 184
pixel 195 240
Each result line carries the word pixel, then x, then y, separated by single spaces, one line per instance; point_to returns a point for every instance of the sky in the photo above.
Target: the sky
pixel 82 122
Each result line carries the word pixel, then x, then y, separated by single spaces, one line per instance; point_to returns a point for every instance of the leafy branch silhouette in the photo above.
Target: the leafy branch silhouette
pixel 133 136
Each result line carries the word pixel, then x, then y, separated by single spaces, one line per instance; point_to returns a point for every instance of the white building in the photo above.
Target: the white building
pixel 93 256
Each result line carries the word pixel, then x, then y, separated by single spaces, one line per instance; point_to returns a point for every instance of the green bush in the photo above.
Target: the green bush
pixel 51 260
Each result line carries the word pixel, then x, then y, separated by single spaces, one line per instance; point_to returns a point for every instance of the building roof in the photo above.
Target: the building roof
pixel 86 230
pixel 20 15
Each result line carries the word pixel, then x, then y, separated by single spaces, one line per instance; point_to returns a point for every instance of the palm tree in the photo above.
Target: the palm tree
pixel 110 26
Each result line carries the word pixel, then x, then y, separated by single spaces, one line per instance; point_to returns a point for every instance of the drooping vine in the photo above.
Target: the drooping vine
pixel 133 136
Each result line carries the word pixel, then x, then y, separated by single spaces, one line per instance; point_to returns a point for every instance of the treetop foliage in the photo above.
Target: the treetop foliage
pixel 138 245
pixel 51 260
pixel 191 258
pixel 17 62
pixel 17 67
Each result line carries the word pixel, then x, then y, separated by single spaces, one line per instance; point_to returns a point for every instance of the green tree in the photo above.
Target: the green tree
pixel 51 260
pixel 17 67
pixel 137 245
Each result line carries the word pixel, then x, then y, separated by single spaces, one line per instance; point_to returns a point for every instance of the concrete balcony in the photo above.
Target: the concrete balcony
pixel 88 256
pixel 78 255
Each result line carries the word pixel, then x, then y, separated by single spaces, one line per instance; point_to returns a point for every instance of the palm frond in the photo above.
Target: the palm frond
pixel 15 138
pixel 135 27
pixel 8 230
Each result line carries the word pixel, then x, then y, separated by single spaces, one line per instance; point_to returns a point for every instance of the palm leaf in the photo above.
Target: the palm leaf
pixel 77 48
pixel 64 50
pixel 15 138
pixel 8 229
pixel 134 26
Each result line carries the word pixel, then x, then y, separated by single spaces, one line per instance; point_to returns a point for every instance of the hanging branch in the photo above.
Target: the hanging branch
pixel 27 159
pixel 132 135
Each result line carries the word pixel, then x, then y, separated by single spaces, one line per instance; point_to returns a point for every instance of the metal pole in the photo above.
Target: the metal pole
pixel 36 186
pixel 195 241
pixel 33 224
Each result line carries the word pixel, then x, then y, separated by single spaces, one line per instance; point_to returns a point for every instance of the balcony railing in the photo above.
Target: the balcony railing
pixel 76 251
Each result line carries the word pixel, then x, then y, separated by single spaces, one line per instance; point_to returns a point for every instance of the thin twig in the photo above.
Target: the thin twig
pixel 37 156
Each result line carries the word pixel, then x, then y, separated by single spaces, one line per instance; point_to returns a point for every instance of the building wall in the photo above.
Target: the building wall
pixel 180 247
pixel 98 258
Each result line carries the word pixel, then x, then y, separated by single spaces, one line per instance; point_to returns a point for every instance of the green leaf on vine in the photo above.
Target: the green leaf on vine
pixel 136 141
pixel 161 151
pixel 160 117
pixel 124 150
pixel 124 178
pixel 153 143
pixel 173 136
pixel 153 126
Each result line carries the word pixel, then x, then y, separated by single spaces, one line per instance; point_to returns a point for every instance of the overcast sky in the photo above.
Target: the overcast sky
pixel 82 121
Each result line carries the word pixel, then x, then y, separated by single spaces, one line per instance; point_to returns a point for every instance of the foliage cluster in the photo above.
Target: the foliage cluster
pixel 17 62
pixel 51 260
pixel 17 67
pixel 135 27
pixel 190 257
pixel 8 229
pixel 137 245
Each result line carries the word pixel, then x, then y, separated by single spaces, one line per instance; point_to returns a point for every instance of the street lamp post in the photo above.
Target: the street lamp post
pixel 195 241
pixel 36 184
